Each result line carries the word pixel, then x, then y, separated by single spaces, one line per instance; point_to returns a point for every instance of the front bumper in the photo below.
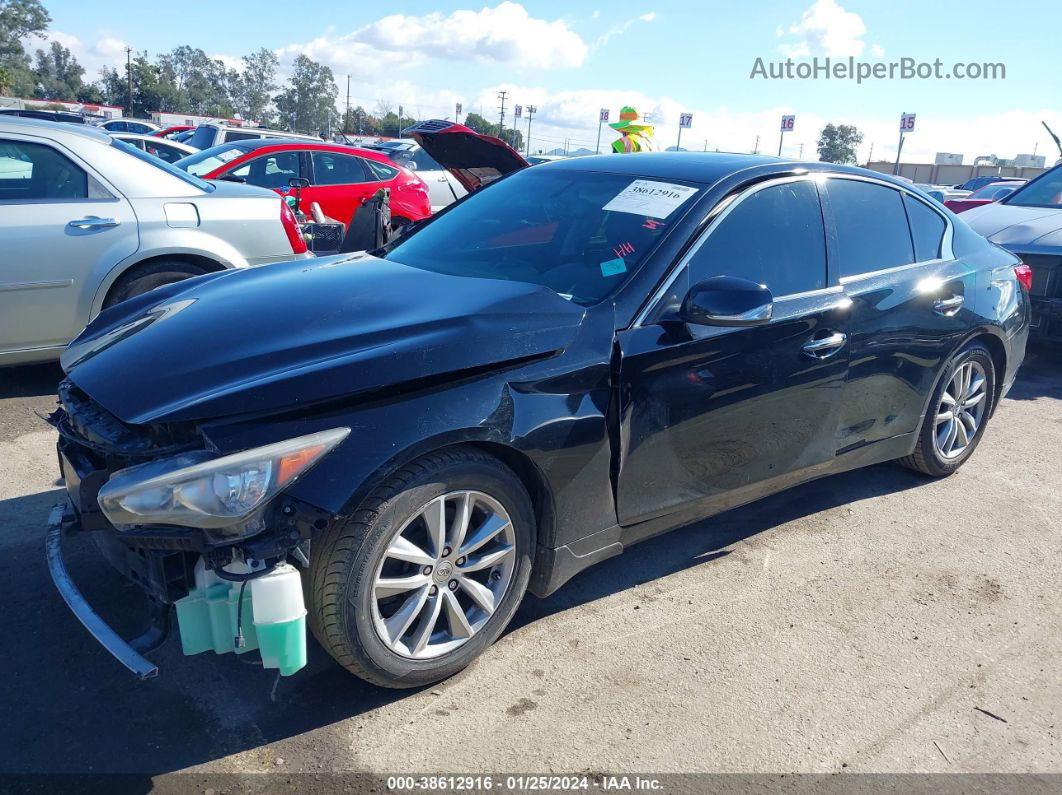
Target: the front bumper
pixel 62 517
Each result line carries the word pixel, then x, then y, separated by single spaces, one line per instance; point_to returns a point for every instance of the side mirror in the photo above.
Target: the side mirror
pixel 727 301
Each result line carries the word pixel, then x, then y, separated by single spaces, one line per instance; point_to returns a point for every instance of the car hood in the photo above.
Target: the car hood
pixel 1008 224
pixel 282 336
pixel 474 159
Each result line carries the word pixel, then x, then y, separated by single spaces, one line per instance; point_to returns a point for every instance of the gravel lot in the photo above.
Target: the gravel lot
pixel 873 621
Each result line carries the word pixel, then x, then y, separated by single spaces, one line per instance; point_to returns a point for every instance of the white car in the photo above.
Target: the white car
pixel 443 187
pixel 139 126
pixel 89 221
pixel 170 151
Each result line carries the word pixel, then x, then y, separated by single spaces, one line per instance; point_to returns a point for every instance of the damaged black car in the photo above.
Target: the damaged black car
pixel 391 448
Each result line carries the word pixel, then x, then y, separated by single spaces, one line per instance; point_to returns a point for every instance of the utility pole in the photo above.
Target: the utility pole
pixel 756 148
pixel 531 109
pixel 801 155
pixel 870 157
pixel 501 119
pixel 129 75
pixel 346 116
pixel 705 144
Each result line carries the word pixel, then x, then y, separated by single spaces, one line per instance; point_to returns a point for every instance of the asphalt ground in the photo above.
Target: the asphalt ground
pixel 875 621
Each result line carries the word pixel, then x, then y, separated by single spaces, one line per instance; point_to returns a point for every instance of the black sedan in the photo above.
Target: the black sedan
pixel 575 357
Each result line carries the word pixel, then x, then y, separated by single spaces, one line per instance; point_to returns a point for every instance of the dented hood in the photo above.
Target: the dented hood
pixel 474 159
pixel 281 336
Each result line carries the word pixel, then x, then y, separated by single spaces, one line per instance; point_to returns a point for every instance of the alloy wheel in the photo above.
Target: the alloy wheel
pixel 962 407
pixel 443 574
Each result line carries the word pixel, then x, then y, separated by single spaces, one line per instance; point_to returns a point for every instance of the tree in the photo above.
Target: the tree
pixel 18 20
pixel 256 86
pixel 309 102
pixel 838 144
pixel 199 81
pixel 59 75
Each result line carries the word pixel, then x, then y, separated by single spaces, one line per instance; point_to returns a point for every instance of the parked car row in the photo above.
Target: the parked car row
pixel 100 221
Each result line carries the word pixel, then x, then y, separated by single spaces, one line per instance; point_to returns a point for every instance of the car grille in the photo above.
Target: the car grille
pixel 1046 273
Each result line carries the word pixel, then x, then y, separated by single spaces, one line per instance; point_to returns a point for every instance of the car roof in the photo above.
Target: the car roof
pixel 706 167
pixel 250 145
pixel 16 124
pixel 127 136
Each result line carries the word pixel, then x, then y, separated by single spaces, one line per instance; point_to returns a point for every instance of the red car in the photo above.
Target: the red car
pixel 167 132
pixel 992 192
pixel 339 176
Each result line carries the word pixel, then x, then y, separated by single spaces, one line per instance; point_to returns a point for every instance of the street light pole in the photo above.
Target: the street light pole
pixel 530 112
pixel 129 75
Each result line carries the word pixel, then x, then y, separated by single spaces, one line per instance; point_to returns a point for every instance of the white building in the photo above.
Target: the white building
pixel 1028 161
pixel 947 159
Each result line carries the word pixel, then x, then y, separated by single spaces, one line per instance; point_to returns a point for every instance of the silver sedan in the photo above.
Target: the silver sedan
pixel 88 221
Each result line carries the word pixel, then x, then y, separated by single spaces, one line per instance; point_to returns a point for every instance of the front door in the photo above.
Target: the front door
pixel 715 416
pixel 62 228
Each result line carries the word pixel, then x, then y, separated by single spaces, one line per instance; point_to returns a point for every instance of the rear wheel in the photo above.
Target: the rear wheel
pixel 427 573
pixel 959 411
pixel 146 277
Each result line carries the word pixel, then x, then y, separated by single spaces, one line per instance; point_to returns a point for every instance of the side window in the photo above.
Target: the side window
pixel 331 168
pixel 773 237
pixel 34 171
pixel 167 153
pixel 424 161
pixel 270 171
pixel 232 135
pixel 927 229
pixel 872 231
pixel 379 171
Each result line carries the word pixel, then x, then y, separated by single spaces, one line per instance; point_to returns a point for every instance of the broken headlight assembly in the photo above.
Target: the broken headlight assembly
pixel 201 490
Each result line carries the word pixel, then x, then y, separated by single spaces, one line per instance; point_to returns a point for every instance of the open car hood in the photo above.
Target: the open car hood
pixel 474 159
pixel 284 336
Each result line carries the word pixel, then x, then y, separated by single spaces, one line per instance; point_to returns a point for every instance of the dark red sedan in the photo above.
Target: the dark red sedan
pixel 339 176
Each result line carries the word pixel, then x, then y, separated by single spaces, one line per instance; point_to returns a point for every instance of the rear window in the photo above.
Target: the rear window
pixel 927 229
pixel 203 137
pixel 1044 191
pixel 169 168
pixel 209 160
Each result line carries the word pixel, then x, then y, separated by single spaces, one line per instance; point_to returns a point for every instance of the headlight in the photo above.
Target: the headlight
pixel 195 490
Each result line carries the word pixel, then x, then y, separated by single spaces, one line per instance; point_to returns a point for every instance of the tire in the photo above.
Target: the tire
pixel 142 278
pixel 930 456
pixel 352 612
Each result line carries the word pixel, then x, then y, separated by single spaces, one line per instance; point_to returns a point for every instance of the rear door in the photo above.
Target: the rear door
pixel 339 182
pixel 892 252
pixel 59 223
pixel 712 416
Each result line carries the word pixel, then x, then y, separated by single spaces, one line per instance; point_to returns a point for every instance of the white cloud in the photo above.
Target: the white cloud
pixel 623 27
pixel 827 28
pixel 504 34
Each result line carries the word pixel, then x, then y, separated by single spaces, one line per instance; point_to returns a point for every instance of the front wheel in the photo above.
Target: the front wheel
pixel 958 413
pixel 427 573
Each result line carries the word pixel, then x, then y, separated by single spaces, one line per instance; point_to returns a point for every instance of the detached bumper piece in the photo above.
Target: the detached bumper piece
pixel 120 649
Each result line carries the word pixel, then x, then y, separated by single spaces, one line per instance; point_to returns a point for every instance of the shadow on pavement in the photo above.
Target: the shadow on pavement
pixel 1039 374
pixel 32 381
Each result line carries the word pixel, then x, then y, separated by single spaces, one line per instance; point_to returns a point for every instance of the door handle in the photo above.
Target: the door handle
pixel 92 222
pixel 825 347
pixel 948 306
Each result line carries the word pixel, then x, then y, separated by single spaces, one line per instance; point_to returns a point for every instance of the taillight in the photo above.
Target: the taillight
pixel 291 229
pixel 1024 274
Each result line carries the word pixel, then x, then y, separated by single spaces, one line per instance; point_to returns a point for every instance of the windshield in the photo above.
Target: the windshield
pixel 1044 191
pixel 202 163
pixel 993 192
pixel 581 234
pixel 169 168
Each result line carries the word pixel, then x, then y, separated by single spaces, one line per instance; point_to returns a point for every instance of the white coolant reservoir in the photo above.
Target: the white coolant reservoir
pixel 280 618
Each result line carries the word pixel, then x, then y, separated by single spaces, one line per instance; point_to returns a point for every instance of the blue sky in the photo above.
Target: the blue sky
pixel 666 57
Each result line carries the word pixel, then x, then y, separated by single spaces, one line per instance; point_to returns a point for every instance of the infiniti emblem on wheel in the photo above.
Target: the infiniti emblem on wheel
pixel 443 571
